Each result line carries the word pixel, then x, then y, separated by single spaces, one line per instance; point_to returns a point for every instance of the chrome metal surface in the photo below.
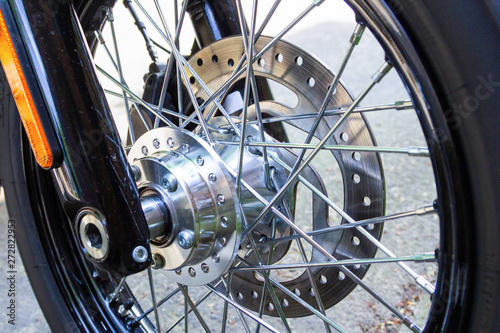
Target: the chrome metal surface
pixel 280 65
pixel 93 234
pixel 193 204
pixel 140 254
pixel 156 214
pixel 248 197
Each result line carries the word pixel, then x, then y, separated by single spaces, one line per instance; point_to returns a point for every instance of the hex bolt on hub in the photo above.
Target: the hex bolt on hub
pixel 221 199
pixel 158 261
pixel 170 183
pixel 185 239
pixel 140 254
pixel 156 143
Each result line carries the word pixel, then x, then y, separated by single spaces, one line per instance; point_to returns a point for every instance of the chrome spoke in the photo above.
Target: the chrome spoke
pixel 419 279
pixel 398 106
pixel 178 58
pixel 355 38
pixel 153 299
pixel 245 311
pixel 181 62
pixel 299 300
pixel 186 312
pixel 100 37
pixel 272 292
pixel 139 100
pixel 240 63
pixel 384 69
pixel 188 299
pixel 249 49
pixel 231 295
pixel 418 258
pixel 255 92
pixel 421 211
pixel 409 323
pixel 166 79
pixel 167 111
pixel 120 73
pixel 163 300
pixel 111 297
pixel 302 251
pixel 410 151
pixel 259 54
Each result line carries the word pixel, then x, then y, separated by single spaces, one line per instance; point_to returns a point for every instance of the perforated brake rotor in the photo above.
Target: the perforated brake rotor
pixel 362 178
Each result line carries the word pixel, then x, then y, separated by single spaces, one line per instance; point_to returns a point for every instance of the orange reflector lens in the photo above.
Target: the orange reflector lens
pixel 22 96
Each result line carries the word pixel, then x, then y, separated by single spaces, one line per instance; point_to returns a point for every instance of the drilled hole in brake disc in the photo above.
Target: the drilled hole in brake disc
pixel 360 176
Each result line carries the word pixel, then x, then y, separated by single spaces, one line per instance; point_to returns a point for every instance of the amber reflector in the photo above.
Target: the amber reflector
pixel 22 96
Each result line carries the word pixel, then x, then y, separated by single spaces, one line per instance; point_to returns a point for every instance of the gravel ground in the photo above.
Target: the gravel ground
pixel 408 184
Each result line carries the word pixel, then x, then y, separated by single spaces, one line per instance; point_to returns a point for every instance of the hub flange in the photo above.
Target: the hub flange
pixel 201 237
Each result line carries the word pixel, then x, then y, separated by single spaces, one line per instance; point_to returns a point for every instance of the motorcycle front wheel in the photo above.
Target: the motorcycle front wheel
pixel 358 155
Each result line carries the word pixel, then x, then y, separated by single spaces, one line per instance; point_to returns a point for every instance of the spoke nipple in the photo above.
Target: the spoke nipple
pixel 169 182
pixel 185 239
pixel 205 268
pixel 123 310
pixel 170 142
pixel 212 177
pixel 185 148
pixel 156 143
pixel 221 200
pixel 158 261
pixel 192 272
pixel 200 161
pixel 145 151
pixel 140 254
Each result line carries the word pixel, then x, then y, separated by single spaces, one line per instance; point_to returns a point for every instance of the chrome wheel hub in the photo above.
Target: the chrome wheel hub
pixel 200 238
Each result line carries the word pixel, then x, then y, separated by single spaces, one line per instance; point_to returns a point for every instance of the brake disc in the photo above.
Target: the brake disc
pixel 363 187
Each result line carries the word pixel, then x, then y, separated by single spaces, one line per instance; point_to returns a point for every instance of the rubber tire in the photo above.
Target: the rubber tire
pixel 457 44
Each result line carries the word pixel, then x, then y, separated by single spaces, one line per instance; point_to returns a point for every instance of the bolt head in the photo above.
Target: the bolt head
pixel 212 177
pixel 185 239
pixel 170 142
pixel 224 221
pixel 185 148
pixel 169 182
pixel 220 199
pixel 156 143
pixel 140 254
pixel 158 261
pixel 192 272
pixel 205 268
pixel 144 150
pixel 200 161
